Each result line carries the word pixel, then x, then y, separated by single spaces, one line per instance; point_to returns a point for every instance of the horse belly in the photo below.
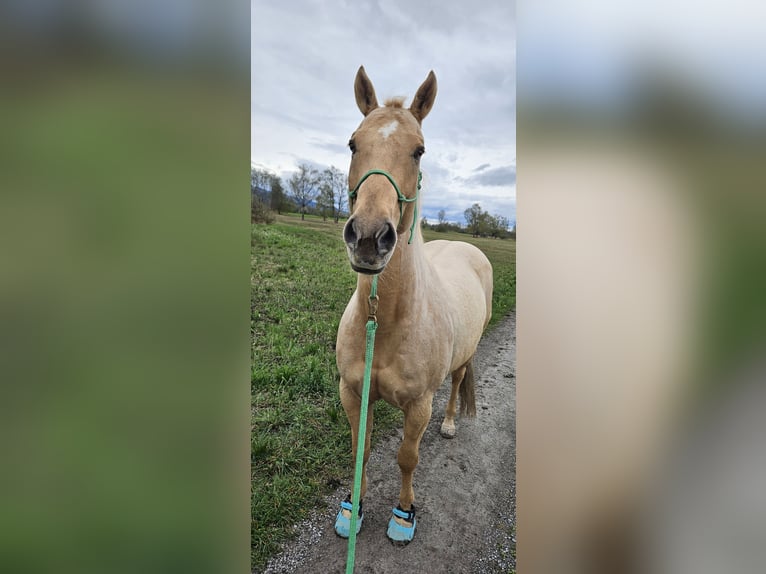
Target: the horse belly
pixel 465 278
pixel 469 315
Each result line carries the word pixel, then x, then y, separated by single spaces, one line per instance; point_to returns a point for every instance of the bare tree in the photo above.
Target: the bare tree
pixel 325 201
pixel 334 183
pixel 259 208
pixel 442 225
pixel 303 185
pixel 259 179
pixel 277 194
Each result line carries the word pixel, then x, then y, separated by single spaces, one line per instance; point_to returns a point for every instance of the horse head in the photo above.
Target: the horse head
pixel 384 176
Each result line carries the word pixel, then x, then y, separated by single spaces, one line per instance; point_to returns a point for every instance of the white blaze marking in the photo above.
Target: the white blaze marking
pixel 388 129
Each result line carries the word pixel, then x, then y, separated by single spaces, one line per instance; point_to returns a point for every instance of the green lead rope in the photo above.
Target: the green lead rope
pixel 361 437
pixel 372 325
pixel 402 198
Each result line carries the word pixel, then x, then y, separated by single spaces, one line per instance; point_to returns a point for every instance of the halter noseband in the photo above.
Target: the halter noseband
pixel 402 198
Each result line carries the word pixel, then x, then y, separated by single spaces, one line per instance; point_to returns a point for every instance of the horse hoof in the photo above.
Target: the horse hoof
pixel 399 531
pixel 343 520
pixel 447 431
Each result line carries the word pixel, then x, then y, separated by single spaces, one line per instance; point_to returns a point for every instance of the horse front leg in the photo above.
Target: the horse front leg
pixel 352 403
pixel 401 527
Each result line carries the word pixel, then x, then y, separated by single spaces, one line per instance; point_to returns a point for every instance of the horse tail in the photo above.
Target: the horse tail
pixel 468 392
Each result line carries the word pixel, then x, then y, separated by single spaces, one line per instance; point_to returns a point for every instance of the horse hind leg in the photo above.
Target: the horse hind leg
pixel 463 384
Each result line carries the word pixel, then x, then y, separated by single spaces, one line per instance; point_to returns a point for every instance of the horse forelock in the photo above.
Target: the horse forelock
pixel 395 102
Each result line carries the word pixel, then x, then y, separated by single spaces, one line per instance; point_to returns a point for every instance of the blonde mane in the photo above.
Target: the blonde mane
pixel 395 102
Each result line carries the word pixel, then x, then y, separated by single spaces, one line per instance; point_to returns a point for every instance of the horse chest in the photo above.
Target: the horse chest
pixel 398 387
pixel 400 373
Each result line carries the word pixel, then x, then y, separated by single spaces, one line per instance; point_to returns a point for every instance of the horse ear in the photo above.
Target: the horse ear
pixel 364 92
pixel 424 98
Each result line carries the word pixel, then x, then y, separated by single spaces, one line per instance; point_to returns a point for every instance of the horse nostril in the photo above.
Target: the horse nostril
pixel 386 238
pixel 349 232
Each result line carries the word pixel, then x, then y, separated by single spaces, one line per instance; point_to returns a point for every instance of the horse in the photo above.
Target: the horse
pixel 434 299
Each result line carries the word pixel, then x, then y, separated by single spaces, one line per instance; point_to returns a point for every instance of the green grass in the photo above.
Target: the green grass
pixel 301 441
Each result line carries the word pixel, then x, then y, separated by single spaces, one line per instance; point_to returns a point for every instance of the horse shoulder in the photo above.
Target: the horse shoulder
pixel 348 342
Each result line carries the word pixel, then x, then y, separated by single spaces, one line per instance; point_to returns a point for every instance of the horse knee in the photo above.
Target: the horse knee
pixel 407 459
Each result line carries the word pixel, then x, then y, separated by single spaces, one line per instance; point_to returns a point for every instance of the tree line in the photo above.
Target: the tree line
pixel 478 223
pixel 481 223
pixel 324 193
pixel 307 191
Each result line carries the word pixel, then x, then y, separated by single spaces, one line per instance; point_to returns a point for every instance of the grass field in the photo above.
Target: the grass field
pixel 301 442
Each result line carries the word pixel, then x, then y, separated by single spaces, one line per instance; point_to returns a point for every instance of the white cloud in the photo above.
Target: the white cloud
pixel 304 58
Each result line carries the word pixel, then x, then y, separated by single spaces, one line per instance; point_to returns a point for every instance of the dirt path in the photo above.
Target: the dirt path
pixel 464 489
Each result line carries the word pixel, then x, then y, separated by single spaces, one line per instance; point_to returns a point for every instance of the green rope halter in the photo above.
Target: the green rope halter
pixel 402 198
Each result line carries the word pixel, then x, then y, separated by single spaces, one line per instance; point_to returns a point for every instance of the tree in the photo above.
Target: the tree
pixel 501 226
pixel 325 201
pixel 303 185
pixel 260 179
pixel 259 210
pixel 259 213
pixel 490 225
pixel 341 199
pixel 277 194
pixel 442 225
pixel 334 183
pixel 476 219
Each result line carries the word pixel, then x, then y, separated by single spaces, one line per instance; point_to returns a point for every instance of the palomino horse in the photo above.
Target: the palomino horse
pixel 435 298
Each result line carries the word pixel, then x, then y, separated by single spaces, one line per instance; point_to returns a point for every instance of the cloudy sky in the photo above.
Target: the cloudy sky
pixel 305 54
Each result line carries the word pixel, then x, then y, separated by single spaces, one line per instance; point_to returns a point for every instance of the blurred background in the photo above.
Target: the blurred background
pixel 124 294
pixel 123 300
pixel 642 271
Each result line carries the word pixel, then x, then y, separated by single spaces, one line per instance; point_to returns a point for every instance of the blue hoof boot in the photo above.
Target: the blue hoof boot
pixel 343 520
pixel 402 534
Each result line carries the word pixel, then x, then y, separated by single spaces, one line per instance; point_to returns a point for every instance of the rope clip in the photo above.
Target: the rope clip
pixel 373 306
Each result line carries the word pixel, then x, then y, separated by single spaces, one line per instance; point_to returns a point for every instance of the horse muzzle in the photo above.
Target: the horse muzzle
pixel 369 247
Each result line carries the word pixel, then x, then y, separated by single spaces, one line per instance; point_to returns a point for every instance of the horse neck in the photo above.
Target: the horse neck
pixel 400 284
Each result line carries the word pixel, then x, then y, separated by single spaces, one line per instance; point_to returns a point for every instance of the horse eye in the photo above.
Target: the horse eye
pixel 352 146
pixel 419 152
